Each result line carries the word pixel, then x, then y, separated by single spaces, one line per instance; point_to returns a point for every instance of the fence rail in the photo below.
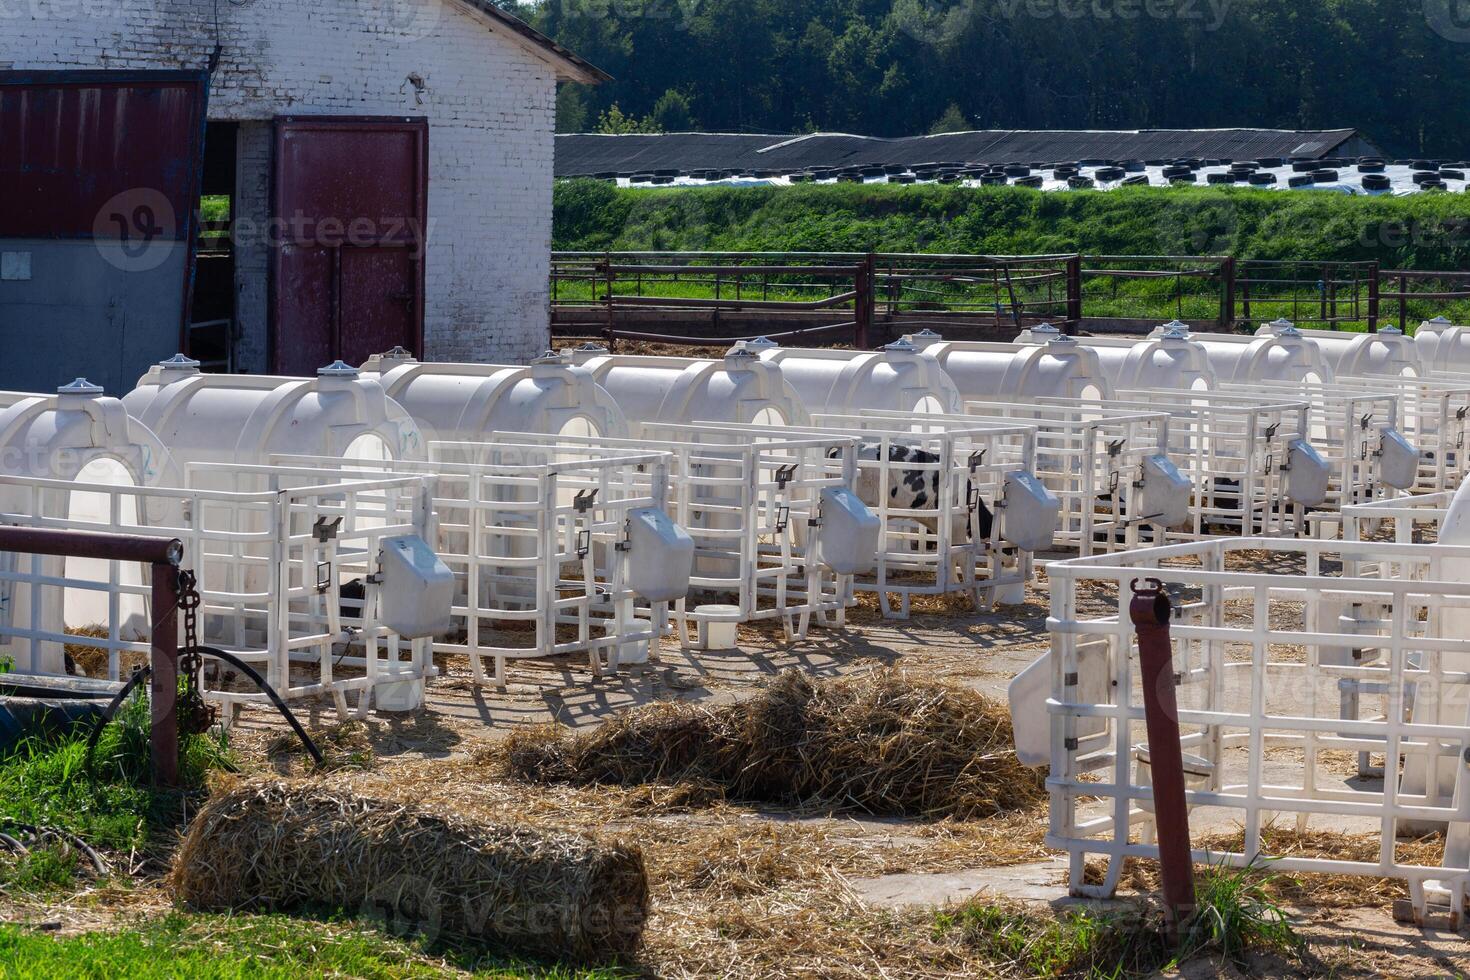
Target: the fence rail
pixel 866 299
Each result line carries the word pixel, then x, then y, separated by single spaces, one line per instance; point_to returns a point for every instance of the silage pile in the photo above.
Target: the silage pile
pixel 276 845
pixel 880 743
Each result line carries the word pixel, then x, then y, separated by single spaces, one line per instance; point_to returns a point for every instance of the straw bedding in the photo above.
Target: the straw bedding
pixel 880 742
pixel 282 846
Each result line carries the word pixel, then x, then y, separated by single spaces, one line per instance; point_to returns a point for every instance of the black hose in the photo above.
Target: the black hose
pixel 230 658
pixel 138 677
pixel 250 672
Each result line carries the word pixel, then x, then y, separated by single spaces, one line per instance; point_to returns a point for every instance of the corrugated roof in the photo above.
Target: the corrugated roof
pixel 596 153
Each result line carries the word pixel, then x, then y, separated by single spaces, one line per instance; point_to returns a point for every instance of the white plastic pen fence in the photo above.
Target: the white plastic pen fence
pixel 1433 416
pixel 1260 706
pixel 270 546
pixel 530 532
pixel 746 493
pixel 1090 457
pixel 934 550
pixel 1348 427
pixel 1237 453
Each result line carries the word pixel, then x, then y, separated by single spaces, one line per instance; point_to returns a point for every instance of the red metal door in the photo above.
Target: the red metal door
pixel 350 208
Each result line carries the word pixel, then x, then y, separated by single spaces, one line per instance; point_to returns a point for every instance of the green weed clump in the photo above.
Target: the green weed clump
pixel 1233 919
pixel 46 782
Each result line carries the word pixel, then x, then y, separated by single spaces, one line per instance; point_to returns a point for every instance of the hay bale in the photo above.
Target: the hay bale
pixel 277 845
pixel 880 743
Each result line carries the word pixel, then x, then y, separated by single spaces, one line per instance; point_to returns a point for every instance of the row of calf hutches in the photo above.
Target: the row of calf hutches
pixel 1283 354
pixel 897 378
pixel 1348 354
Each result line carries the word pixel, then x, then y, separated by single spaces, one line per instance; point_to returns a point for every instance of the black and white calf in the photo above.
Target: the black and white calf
pixel 914 489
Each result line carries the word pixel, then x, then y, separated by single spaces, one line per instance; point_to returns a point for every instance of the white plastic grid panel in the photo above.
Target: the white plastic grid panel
pixel 1261 679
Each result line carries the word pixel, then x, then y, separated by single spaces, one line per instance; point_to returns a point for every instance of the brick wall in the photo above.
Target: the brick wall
pixel 489 102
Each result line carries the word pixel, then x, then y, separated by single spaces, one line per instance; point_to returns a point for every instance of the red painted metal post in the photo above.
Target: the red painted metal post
pixel 1150 611
pixel 1373 275
pixel 163 682
pixel 1227 301
pixel 1074 294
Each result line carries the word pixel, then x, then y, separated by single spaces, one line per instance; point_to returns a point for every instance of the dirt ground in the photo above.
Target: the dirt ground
pixel 746 891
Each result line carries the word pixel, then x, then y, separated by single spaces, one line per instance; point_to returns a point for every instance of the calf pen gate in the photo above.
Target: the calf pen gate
pixel 913 468
pixel 271 548
pixel 1260 679
pixel 1432 415
pixel 1094 460
pixel 541 541
pixel 1254 469
pixel 748 496
pixel 1356 432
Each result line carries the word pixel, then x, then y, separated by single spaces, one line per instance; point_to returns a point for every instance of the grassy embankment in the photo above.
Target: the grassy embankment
pixel 1425 231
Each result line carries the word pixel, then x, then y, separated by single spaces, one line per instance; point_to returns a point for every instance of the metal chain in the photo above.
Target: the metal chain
pixel 195 715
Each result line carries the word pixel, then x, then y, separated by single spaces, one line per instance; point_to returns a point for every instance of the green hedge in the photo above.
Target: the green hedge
pixel 1422 231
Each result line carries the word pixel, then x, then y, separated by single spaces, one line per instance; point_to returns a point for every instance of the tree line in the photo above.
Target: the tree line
pixel 1399 70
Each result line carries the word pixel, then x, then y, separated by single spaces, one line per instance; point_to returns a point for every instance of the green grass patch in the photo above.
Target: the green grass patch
pixel 262 947
pixel 1233 919
pixel 45 782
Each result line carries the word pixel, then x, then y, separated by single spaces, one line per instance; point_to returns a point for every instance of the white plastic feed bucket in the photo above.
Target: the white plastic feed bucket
pixel 721 632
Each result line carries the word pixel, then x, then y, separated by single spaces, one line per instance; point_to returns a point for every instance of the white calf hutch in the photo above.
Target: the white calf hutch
pixel 1060 367
pixel 1168 359
pixel 1109 469
pixel 1260 689
pixel 234 418
pixel 895 379
pixel 468 402
pixel 1387 352
pixel 1443 347
pixel 272 548
pixel 777 531
pixel 739 388
pixel 1250 460
pixel 77 440
pixel 1281 355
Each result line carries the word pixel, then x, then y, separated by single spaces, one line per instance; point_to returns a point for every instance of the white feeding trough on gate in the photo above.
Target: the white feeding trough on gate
pixel 897 378
pixel 1281 354
pixel 1387 352
pixel 1168 359
pixel 468 402
pixel 81 440
pixel 234 418
pixel 739 388
pixel 1444 347
pixel 1060 367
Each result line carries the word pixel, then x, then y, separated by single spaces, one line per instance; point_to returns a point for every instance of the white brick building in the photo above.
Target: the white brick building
pixel 484 83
